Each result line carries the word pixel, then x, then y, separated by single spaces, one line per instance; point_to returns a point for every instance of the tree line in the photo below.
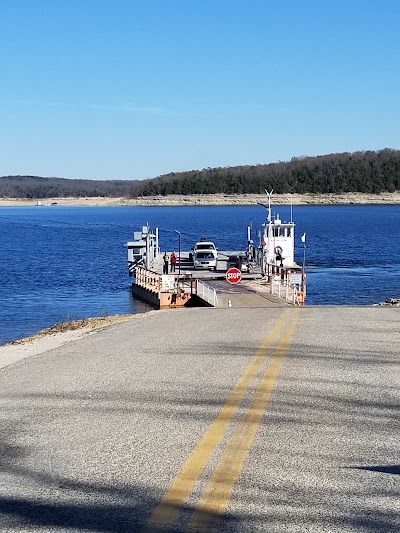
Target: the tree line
pixel 36 187
pixel 364 172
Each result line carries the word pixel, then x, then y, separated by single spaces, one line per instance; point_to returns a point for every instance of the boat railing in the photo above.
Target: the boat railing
pixel 207 293
pixel 283 289
pixel 164 283
pixel 148 280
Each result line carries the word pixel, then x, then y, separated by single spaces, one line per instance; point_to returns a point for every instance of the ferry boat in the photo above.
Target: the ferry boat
pixel 271 263
pixel 277 249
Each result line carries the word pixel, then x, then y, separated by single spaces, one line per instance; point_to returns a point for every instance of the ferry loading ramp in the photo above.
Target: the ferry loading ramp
pixel 252 291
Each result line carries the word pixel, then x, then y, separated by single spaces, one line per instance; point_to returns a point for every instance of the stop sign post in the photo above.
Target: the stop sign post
pixel 233 275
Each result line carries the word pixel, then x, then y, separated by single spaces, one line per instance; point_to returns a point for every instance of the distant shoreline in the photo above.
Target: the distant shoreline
pixel 214 199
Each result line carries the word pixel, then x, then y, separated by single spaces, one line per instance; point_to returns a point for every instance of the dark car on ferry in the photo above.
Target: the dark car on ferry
pixel 238 261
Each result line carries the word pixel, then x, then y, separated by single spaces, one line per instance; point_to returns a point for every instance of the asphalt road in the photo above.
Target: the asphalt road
pixel 231 420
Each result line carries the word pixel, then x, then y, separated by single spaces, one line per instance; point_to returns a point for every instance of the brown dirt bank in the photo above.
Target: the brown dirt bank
pixel 218 199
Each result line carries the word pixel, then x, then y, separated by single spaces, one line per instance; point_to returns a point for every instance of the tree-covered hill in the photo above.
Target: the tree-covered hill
pixel 364 172
pixel 37 187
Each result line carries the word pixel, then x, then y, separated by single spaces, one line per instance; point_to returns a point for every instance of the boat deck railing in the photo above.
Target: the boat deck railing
pixel 148 280
pixel 283 289
pixel 172 283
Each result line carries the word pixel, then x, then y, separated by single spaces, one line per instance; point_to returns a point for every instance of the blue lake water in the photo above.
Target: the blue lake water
pixel 64 263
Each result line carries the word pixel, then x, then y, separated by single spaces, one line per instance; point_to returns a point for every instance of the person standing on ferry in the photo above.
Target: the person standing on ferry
pixel 165 264
pixel 173 261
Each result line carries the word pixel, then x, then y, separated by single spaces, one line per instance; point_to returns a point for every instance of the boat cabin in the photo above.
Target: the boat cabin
pixel 142 250
pixel 278 243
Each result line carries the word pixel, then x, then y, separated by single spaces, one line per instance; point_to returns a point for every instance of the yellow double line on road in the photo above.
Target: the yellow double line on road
pixel 217 491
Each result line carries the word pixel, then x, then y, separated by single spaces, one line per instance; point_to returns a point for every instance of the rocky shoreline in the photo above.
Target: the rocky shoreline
pixel 216 199
pixel 392 302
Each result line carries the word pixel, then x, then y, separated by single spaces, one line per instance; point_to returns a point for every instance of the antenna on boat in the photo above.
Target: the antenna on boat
pixel 291 209
pixel 269 194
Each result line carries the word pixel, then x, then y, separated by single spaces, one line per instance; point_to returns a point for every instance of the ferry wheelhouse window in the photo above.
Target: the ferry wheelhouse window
pixel 137 251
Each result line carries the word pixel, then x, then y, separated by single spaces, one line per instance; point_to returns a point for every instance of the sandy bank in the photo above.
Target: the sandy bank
pixel 216 199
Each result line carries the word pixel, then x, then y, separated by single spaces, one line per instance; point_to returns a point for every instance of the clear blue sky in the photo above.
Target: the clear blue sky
pixel 115 89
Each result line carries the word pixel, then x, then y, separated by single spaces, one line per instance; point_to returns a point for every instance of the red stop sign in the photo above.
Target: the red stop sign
pixel 233 275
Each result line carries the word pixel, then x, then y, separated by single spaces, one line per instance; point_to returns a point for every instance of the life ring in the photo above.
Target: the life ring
pixel 278 250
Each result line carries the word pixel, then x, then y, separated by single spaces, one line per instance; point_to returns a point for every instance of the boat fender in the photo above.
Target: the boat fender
pixel 278 250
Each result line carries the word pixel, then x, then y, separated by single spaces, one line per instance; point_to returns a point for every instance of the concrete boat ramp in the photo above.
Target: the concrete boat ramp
pixel 208 420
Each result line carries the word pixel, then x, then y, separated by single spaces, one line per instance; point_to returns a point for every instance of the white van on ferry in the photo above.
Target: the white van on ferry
pixel 205 255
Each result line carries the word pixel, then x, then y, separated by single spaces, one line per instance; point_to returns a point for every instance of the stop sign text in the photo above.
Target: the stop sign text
pixel 233 275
